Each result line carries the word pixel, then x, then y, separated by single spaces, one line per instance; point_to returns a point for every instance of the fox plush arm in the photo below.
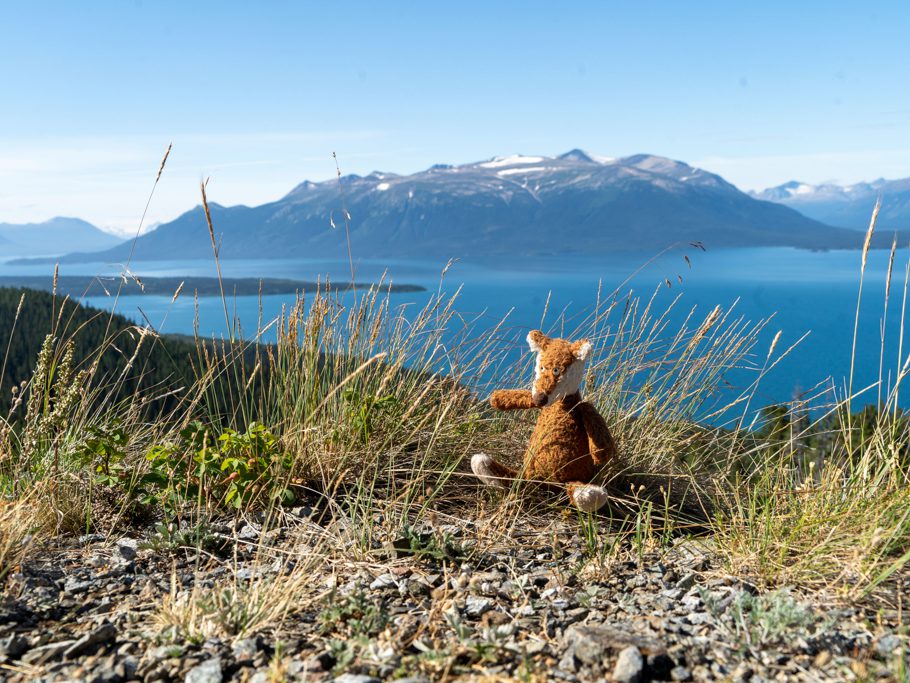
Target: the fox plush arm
pixel 512 399
pixel 600 441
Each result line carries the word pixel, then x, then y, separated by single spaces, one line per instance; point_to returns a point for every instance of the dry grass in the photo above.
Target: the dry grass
pixel 234 608
pixel 18 519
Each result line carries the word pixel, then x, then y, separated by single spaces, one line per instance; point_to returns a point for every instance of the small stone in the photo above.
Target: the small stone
pixel 476 607
pixel 568 663
pixel 164 652
pixel 13 647
pixel 673 594
pixel 680 673
pixel 887 644
pixel 686 582
pixel 302 511
pixel 246 648
pixel 46 653
pixel 355 678
pixel 412 679
pixel 207 672
pixel 383 581
pixel 104 633
pixel 692 601
pixel 75 586
pixel 629 666
pixel 250 532
pixel 127 548
pixel 85 539
pixel 637 581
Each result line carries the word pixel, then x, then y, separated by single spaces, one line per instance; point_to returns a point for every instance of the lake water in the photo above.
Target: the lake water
pixel 804 291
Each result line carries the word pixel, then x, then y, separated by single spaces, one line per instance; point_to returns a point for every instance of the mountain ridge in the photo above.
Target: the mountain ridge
pixel 848 206
pixel 58 235
pixel 514 205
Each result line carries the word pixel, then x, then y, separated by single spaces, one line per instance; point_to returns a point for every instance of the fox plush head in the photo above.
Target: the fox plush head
pixel 559 369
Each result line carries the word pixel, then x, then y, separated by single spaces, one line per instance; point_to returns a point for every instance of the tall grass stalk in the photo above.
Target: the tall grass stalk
pixel 859 298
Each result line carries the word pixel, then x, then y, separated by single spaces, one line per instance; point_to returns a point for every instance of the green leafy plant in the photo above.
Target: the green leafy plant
pixel 236 469
pixel 352 615
pixel 104 452
pixel 366 412
pixel 170 537
pixel 438 547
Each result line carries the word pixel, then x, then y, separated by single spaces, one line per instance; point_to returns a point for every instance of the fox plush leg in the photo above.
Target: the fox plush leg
pixel 491 472
pixel 586 497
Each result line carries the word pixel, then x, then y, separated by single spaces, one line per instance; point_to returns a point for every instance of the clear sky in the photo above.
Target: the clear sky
pixel 258 95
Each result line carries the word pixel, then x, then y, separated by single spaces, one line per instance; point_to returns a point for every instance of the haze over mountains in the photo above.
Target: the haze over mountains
pixel 848 206
pixel 505 206
pixel 55 236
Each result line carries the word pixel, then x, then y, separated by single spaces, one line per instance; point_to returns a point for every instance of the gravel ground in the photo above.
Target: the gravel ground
pixel 438 605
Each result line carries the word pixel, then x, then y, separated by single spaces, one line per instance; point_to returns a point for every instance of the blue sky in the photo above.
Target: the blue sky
pixel 258 95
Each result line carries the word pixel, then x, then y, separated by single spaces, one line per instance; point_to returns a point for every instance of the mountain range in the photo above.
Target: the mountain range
pixel 55 236
pixel 503 207
pixel 848 206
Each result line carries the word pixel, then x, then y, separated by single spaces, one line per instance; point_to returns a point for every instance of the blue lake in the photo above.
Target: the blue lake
pixel 803 292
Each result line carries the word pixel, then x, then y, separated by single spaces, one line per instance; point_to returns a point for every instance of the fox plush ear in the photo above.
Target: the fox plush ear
pixel 537 340
pixel 581 349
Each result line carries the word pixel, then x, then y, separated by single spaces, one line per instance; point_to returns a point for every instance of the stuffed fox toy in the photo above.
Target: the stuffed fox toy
pixel 571 441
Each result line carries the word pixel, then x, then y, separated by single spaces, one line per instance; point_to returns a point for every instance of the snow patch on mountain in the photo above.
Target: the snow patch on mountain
pixel 515 159
pixel 529 169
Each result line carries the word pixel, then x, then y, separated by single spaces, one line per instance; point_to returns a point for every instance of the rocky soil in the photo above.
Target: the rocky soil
pixel 438 604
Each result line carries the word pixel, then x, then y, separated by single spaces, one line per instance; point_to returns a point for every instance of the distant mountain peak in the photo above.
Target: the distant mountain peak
pixel 847 205
pixel 57 235
pixel 655 163
pixel 577 155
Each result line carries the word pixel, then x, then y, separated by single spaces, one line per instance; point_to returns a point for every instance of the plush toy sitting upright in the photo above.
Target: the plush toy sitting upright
pixel 571 441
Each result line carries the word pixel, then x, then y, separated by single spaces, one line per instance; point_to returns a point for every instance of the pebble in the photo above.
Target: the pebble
pixel 629 666
pixel 637 621
pixel 207 672
pixel 104 633
pixel 245 648
pixel 475 607
pixel 680 673
pixel 383 581
pixel 13 647
pixel 686 582
pixel 127 548
pixel 355 678
pixel 46 653
pixel 887 644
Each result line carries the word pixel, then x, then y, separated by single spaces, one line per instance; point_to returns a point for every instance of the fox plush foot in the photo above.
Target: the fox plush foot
pixel 588 497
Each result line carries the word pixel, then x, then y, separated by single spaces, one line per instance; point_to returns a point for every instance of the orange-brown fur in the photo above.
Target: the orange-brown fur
pixel 571 441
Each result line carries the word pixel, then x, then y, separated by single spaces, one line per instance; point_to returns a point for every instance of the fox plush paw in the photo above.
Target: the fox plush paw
pixel 589 498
